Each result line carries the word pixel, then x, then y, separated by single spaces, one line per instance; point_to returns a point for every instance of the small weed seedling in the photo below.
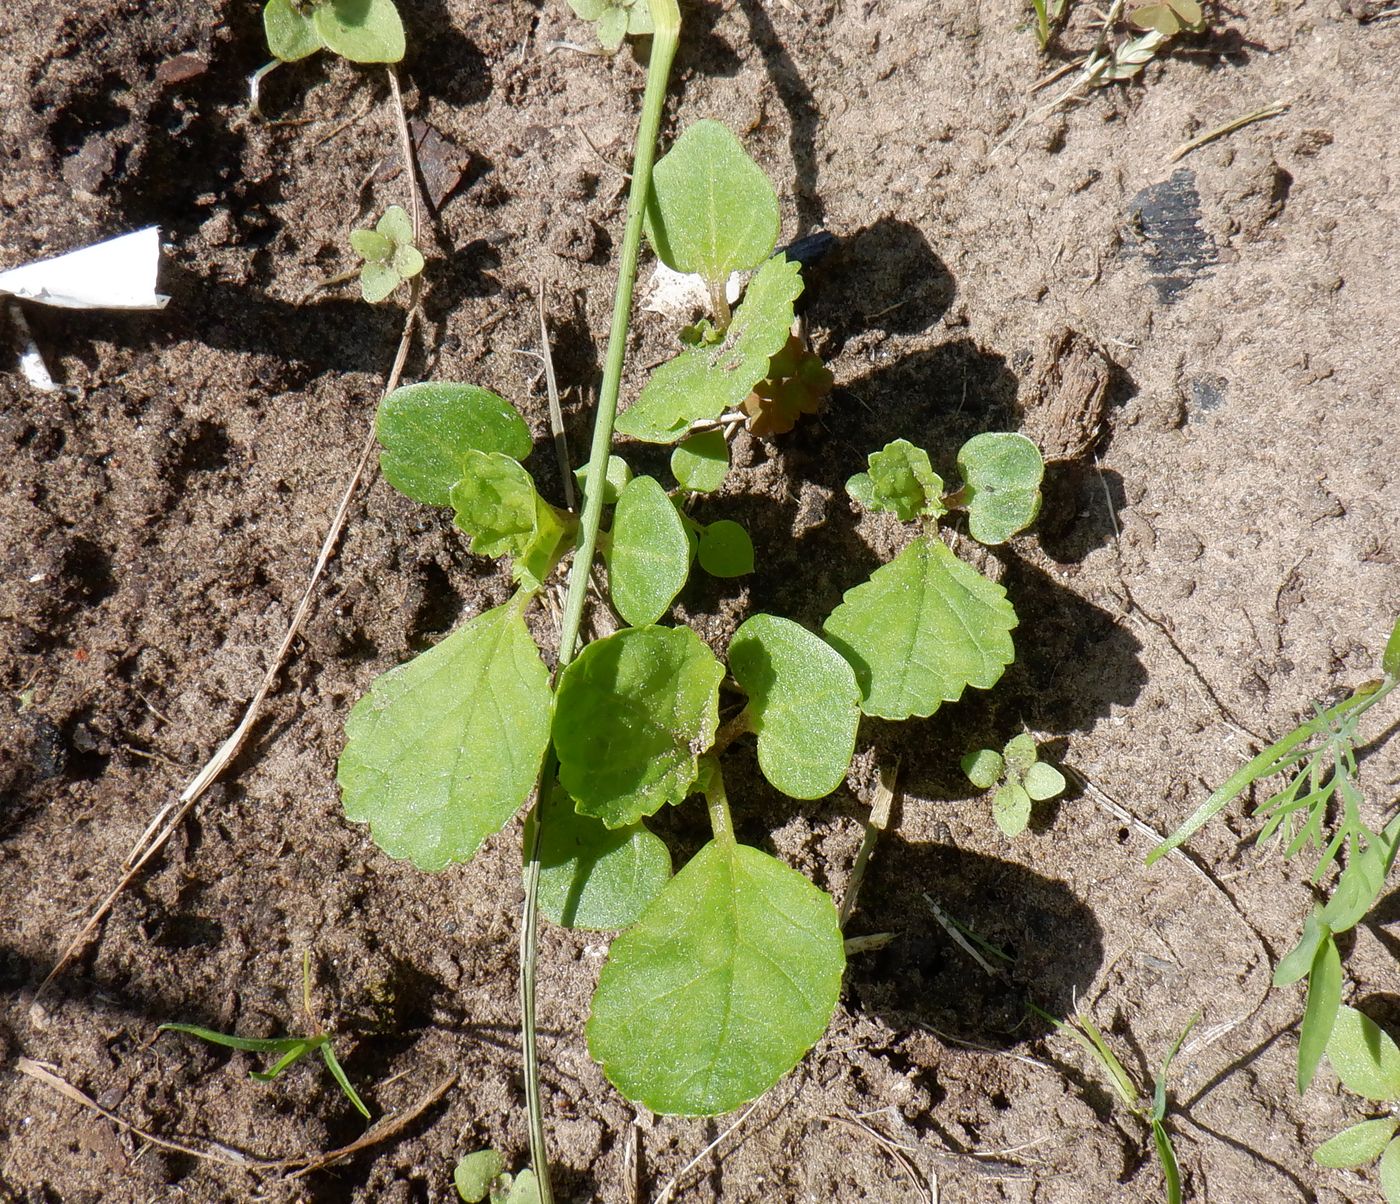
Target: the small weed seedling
pixel 389 254
pixel 1368 1063
pixel 614 20
pixel 362 31
pixel 1318 760
pixel 1049 16
pixel 482 1176
pixel 1153 1112
pixel 1020 778
pixel 291 1049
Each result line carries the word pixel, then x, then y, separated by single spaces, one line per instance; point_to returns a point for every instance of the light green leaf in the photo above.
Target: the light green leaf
pixel 407 261
pixel 700 463
pixel 983 767
pixel 1364 1057
pixel 595 877
pixel 1020 752
pixel 639 22
pixel 589 10
pixel 1011 808
pixel 494 503
pixel 475 1173
pixel 427 430
pixel 377 281
pixel 1363 879
pixel 900 479
pixel 363 31
pixel 924 627
pixel 650 556
pixel 1390 659
pixel 443 750
pixel 721 987
pixel 1390 1172
pixel 1166 1155
pixel 372 246
pixel 711 209
pixel 632 716
pixel 291 34
pixel 707 378
pixel 804 704
pixel 725 549
pixel 1320 1012
pixel 1001 478
pixel 524 1189
pixel 396 226
pixel 1043 781
pixel 1294 964
pixel 615 481
pixel 1357 1145
pixel 611 27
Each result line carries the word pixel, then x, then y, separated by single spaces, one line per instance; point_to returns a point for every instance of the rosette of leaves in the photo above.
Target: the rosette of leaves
pixel 614 20
pixel 388 252
pixel 1020 777
pixel 363 31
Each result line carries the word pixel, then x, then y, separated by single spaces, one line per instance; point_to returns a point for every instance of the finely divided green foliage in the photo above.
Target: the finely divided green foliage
pixel 363 31
pixel 1001 485
pixel 729 977
pixel 720 368
pixel 711 210
pixel 922 629
pixel 593 876
pixel 650 556
pixel 632 715
pixel 1368 1063
pixel 444 750
pixel 804 704
pixel 1020 778
pixel 389 254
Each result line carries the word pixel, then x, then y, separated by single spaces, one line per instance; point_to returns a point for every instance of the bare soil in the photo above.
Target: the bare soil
pixel 1210 345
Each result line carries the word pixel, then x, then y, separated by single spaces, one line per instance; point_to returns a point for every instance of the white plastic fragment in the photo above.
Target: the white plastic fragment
pixel 679 296
pixel 117 274
pixel 31 360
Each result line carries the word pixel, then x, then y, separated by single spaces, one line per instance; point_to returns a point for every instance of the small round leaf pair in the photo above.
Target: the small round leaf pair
pixel 363 31
pixel 615 19
pixel 389 254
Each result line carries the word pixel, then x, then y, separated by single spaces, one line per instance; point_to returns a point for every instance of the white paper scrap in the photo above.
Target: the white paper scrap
pixel 117 274
pixel 679 297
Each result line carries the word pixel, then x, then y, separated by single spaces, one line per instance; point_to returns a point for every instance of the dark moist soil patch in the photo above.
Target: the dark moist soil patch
pixel 1213 344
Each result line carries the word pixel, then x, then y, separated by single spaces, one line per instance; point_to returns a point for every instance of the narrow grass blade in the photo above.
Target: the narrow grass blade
pixel 298 1051
pixel 1119 1077
pixel 248 1044
pixel 338 1073
pixel 1171 1173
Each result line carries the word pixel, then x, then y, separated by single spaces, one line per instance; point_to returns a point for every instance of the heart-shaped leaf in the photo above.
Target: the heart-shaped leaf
pixel 1001 478
pixel 650 557
pixel 632 716
pixel 729 977
pixel 443 750
pixel 804 704
pixel 363 31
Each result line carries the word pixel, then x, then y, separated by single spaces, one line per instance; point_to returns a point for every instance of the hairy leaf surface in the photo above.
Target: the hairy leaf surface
pixel 650 556
pixel 900 479
pixel 1357 1145
pixel 729 977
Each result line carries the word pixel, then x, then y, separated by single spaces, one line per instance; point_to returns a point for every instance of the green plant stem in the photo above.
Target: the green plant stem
pixel 666 18
pixel 1360 700
pixel 717 800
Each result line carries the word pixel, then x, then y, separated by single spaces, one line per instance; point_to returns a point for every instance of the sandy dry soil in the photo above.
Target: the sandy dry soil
pixel 1219 552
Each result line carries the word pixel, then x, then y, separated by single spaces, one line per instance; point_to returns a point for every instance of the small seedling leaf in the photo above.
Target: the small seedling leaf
pixel 900 479
pixel 588 10
pixel 1390 1172
pixel 708 378
pixel 711 209
pixel 1320 1013
pixel 804 704
pixel 443 750
pixel 1001 477
pixel 495 503
pixel 1108 1060
pixel 247 1044
pixel 1019 753
pixel 650 556
pixel 524 1189
pixel 1011 808
pixel 700 463
pixel 377 281
pixel 1043 781
pixel 291 34
pixel 594 877
pixel 427 430
pixel 612 27
pixel 371 245
pixel 1357 1145
pixel 291 1057
pixel 615 480
pixel 475 1173
pixel 725 549
pixel 1294 964
pixel 922 629
pixel 1390 659
pixel 363 31
pixel 632 716
pixel 1166 1155
pixel 983 767
pixel 396 226
pixel 342 1080
pixel 407 261
pixel 721 987
pixel 1365 1058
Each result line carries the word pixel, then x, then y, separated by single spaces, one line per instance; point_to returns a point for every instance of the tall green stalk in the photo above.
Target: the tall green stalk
pixel 666 18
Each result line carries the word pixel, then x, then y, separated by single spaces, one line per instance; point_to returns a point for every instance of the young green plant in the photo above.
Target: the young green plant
pixel 361 31
pixel 1367 1061
pixel 1318 762
pixel 482 1176
pixel 1020 777
pixel 388 252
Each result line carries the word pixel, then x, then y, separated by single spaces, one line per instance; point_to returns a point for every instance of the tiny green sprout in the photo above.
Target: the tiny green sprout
pixel 389 254
pixel 482 1176
pixel 1022 776
pixel 363 31
pixel 614 20
pixel 1367 1061
pixel 291 1049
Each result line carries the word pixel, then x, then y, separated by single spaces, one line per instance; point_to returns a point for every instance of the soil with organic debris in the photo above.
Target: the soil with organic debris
pixel 1208 348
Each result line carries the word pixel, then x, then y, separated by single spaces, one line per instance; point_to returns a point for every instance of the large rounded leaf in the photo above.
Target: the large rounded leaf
pixel 804 704
pixel 632 716
pixel 596 877
pixel 443 750
pixel 730 976
pixel 924 627
pixel 711 210
pixel 1365 1058
pixel 363 31
pixel 426 431
pixel 650 557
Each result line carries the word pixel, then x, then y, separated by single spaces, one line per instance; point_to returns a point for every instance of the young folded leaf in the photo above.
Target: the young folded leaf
pixel 650 557
pixel 900 479
pixel 444 750
pixel 729 977
pixel 632 716
pixel 496 503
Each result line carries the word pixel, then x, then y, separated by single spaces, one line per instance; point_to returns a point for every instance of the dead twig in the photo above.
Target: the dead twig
pixel 556 413
pixel 880 808
pixel 1274 110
